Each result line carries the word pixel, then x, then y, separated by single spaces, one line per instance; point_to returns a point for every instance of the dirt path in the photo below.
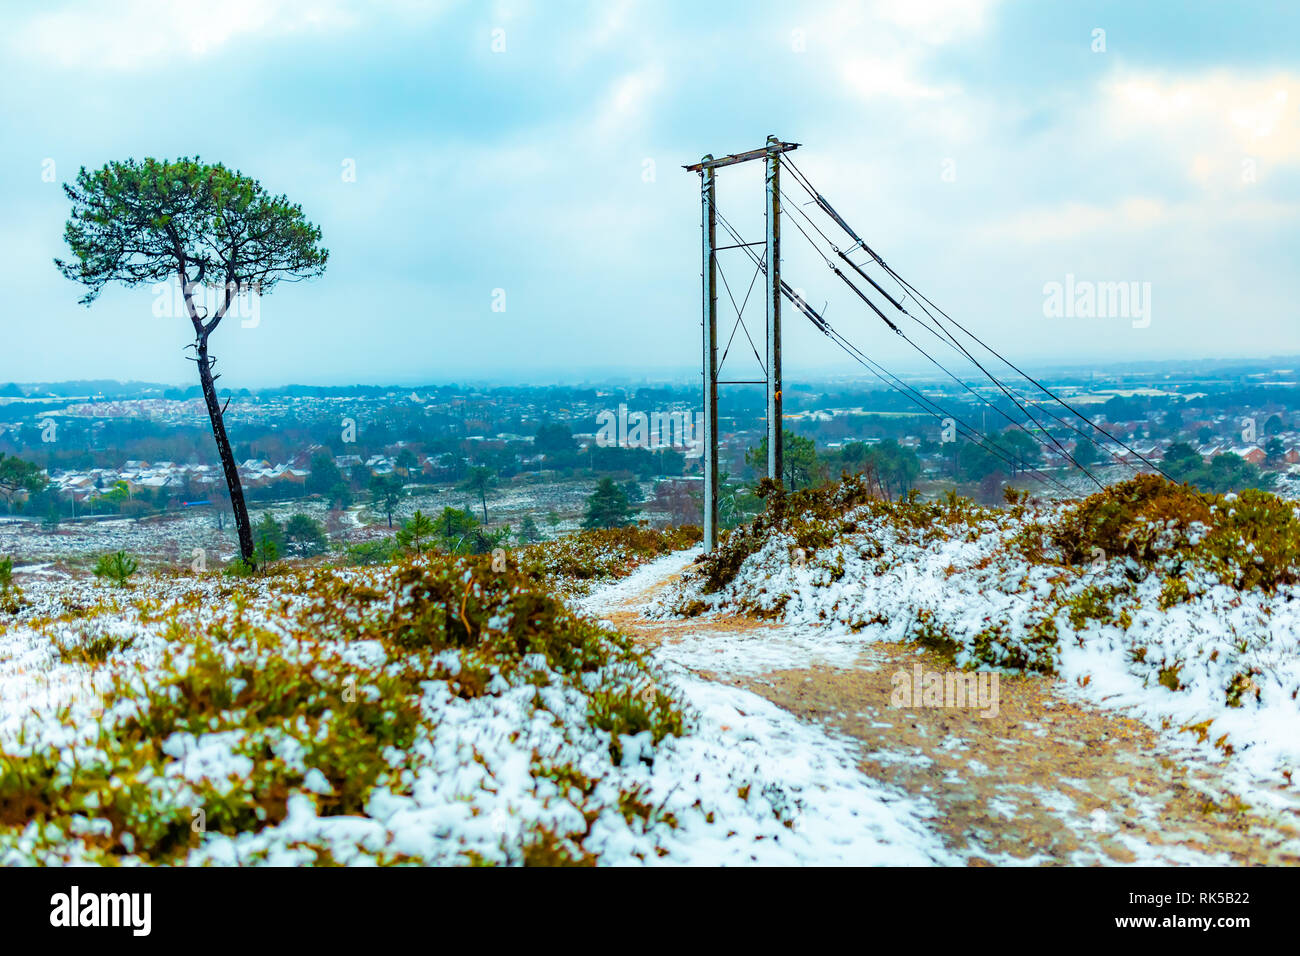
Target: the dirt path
pixel 1048 780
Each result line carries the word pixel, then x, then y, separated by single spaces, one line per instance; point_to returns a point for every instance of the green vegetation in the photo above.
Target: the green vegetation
pixel 575 561
pixel 632 710
pixel 10 595
pixel 1248 540
pixel 1223 473
pixel 111 501
pixel 608 507
pixel 479 480
pixel 799 462
pixel 1149 527
pixel 381 551
pixel 19 477
pixel 201 224
pixel 268 534
pixel 528 533
pixel 305 536
pixel 416 533
pixel 116 568
pixel 893 467
pixel 94 649
pixel 386 493
pixel 303 716
pixel 814 517
pixel 326 478
pixel 239 568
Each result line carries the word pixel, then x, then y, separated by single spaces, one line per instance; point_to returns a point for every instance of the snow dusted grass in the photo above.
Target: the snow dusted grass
pixel 435 711
pixel 1182 607
pixel 578 562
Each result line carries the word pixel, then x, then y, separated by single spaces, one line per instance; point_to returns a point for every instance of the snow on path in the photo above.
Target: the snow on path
pixel 839 815
pixel 608 596
pixel 812 742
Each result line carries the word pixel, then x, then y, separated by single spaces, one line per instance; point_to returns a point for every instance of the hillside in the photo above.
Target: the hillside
pixel 434 711
pixel 616 697
pixel 1182 605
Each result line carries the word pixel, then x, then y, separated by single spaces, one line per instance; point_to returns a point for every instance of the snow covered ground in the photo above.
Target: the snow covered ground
pixel 308 716
pixel 125 724
pixel 842 817
pixel 1220 666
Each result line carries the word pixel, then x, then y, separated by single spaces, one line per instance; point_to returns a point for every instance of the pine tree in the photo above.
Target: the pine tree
pixel 479 480
pixel 269 537
pixel 305 535
pixel 207 227
pixel 416 533
pixel 385 493
pixel 608 507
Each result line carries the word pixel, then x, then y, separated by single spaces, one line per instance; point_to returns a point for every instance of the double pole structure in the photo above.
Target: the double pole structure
pixel 707 167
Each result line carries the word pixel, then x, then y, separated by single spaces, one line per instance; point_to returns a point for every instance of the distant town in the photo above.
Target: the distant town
pixel 114 450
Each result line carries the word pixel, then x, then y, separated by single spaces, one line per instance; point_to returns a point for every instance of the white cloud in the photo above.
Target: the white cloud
pixel 892 77
pixel 610 22
pixel 902 35
pixel 1211 122
pixel 1076 220
pixel 625 105
pixel 935 21
pixel 144 34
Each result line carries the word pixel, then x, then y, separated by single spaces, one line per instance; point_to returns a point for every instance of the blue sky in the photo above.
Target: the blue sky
pixel 985 149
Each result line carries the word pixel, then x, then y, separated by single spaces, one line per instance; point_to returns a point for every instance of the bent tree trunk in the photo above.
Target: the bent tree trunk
pixel 227 456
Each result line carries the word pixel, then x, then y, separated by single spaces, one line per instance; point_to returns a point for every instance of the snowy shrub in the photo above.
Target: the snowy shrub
pixel 574 562
pixel 1249 540
pixel 10 595
pixel 1183 604
pixel 315 696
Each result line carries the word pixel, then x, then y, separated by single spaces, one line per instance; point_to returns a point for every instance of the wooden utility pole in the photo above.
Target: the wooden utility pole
pixel 708 201
pixel 771 266
pixel 775 431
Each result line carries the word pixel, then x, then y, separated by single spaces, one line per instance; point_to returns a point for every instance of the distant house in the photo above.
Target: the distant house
pixel 283 474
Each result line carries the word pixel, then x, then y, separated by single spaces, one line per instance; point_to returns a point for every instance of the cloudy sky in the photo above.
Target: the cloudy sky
pixel 450 150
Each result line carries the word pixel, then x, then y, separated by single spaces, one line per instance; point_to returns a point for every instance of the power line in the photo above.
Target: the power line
pixel 979 439
pixel 863 296
pixel 923 301
pixel 1046 391
pixel 970 432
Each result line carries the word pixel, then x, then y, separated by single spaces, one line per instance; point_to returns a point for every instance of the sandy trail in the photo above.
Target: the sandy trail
pixel 1048 780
